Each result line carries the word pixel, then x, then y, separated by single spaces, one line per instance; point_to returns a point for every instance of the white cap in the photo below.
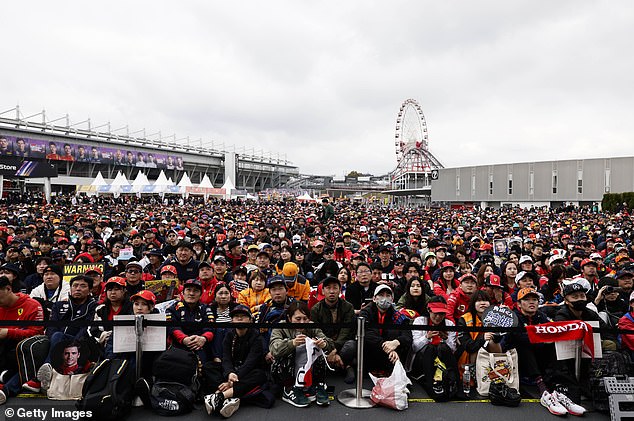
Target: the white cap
pixel 382 287
pixel 526 258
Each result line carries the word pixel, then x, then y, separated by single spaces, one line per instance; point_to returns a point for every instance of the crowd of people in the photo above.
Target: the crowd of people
pixel 281 262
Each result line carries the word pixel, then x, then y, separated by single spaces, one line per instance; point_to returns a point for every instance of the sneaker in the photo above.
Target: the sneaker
pixel 45 375
pixel 32 386
pixel 229 407
pixel 438 388
pixel 571 407
pixel 213 402
pixel 322 395
pixel 142 390
pixel 310 393
pixel 295 396
pixel 548 401
pixel 3 397
pixel 5 376
pixel 350 375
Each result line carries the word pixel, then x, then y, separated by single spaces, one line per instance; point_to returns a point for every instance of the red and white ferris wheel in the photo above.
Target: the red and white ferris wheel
pixel 411 128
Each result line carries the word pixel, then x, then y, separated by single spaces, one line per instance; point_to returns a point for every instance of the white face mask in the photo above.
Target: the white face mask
pixel 432 262
pixel 384 303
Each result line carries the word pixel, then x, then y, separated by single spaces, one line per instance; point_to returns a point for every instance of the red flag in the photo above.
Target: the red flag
pixel 563 331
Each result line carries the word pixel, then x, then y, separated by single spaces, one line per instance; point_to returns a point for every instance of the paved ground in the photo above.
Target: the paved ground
pixel 420 407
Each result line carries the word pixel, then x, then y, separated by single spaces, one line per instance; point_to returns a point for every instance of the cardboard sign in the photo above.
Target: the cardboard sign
pixel 154 337
pixel 499 316
pixel 567 350
pixel 163 289
pixel 74 269
pixel 126 253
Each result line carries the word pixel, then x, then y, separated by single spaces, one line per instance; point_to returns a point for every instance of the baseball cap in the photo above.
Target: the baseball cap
pixel 468 276
pixel 55 269
pixel 220 258
pixel 275 280
pixel 632 296
pixel 146 295
pixel 290 271
pixel 446 265
pixel 524 292
pixel 134 263
pixel 170 269
pixel 555 257
pixel 193 283
pixel 526 258
pixel 95 269
pixel 253 247
pixel 381 288
pixel 329 280
pixel 240 309
pixel 572 288
pixel 437 307
pixel 116 280
pixel 493 281
pixel 585 262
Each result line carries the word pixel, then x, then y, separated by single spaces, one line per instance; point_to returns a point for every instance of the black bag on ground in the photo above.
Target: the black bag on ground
pixel 177 365
pixel 612 364
pixel 449 388
pixel 169 399
pixel 501 394
pixel 108 390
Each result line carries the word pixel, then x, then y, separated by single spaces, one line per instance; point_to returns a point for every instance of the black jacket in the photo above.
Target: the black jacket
pixel 242 354
pixel 374 337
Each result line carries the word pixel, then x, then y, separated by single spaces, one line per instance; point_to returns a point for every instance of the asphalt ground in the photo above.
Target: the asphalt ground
pixel 420 407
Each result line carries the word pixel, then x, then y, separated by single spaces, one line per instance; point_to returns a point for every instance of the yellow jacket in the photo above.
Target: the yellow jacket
pixel 253 299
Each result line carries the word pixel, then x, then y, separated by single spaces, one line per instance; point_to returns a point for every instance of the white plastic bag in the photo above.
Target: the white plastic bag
pixel 391 391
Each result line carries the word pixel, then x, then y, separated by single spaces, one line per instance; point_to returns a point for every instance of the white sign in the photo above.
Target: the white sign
pixel 567 350
pixel 126 253
pixel 153 339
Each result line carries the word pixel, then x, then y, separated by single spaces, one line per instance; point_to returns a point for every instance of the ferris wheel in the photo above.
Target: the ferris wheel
pixel 411 129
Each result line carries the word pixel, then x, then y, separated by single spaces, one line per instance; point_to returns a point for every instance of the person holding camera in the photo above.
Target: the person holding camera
pixel 610 306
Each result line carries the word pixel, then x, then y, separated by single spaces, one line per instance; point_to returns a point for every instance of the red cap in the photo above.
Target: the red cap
pixel 116 280
pixel 468 276
pixel 437 308
pixel 95 269
pixel 146 295
pixel 493 281
pixel 447 264
pixel 169 268
pixel 588 261
pixel 486 247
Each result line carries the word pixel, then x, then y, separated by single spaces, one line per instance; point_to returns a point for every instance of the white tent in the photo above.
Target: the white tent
pixel 251 197
pixel 98 181
pixel 228 187
pixel 305 198
pixel 206 182
pixel 138 183
pixel 183 184
pixel 118 184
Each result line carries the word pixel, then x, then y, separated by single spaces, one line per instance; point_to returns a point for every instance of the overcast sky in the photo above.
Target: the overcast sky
pixel 322 82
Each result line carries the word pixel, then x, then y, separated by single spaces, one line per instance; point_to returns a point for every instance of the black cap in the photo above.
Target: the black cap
pixel 55 269
pixel 185 244
pixel 330 280
pixel 204 264
pixel 572 288
pixel 11 268
pixel 240 309
pixel 193 283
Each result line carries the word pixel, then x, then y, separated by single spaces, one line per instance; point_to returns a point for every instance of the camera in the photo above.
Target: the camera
pixel 611 289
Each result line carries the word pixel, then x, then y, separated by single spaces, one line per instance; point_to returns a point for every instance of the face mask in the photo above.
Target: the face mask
pixel 432 262
pixel 579 305
pixel 339 249
pixel 384 303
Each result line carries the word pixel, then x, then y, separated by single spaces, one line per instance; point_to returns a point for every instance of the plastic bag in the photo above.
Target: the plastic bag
pixel 391 391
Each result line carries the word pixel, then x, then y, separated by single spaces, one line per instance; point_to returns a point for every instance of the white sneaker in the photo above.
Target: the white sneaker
pixel 571 407
pixel 45 375
pixel 549 402
pixel 213 402
pixel 229 407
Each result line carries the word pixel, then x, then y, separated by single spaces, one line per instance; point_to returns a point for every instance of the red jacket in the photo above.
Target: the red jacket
pixel 25 308
pixel 627 323
pixel 457 304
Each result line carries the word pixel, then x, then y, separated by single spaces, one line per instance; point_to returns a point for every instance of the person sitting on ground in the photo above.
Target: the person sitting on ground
pixel 627 323
pixel 15 306
pixel 415 297
pixel 360 293
pixel 334 309
pixel 190 309
pixel 242 369
pixel 52 290
pixel 432 353
pixel 116 303
pixel 273 311
pixel 288 347
pixel 384 346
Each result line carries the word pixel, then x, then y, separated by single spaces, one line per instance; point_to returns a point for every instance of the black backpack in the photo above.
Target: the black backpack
pixel 176 382
pixel 168 399
pixel 177 365
pixel 449 390
pixel 108 390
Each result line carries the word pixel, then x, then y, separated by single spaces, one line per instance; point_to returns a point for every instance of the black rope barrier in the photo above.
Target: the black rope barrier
pixel 219 325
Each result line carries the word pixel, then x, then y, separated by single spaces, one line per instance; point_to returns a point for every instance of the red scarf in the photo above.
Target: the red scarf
pixel 563 331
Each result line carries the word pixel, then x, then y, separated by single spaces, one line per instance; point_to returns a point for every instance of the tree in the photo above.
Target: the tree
pixel 354 174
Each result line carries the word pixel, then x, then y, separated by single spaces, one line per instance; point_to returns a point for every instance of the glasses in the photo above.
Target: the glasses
pixel 399 263
pixel 361 272
pixel 133 271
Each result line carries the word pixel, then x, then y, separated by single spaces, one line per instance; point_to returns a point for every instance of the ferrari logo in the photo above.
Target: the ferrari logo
pixel 20 311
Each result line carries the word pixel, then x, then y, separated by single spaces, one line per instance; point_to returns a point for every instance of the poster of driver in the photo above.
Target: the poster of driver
pixel 69 151
pixel 71 357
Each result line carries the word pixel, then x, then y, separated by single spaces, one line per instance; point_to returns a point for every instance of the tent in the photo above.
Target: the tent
pixel 183 184
pixel 305 198
pixel 228 188
pixel 98 181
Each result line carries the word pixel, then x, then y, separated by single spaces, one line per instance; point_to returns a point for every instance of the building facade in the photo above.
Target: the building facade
pixel 548 183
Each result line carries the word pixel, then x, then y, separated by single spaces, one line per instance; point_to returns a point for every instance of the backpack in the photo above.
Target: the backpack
pixel 176 365
pixel 108 390
pixel 612 364
pixel 169 399
pixel 450 377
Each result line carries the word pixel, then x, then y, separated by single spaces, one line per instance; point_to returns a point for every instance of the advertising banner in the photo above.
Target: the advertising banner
pixel 20 167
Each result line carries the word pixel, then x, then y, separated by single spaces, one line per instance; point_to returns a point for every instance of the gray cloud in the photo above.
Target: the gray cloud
pixel 322 82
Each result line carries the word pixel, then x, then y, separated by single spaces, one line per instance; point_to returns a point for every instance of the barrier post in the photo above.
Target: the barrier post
pixel 138 330
pixel 357 397
pixel 578 350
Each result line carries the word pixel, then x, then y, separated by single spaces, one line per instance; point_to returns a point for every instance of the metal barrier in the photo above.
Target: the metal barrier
pixel 357 397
